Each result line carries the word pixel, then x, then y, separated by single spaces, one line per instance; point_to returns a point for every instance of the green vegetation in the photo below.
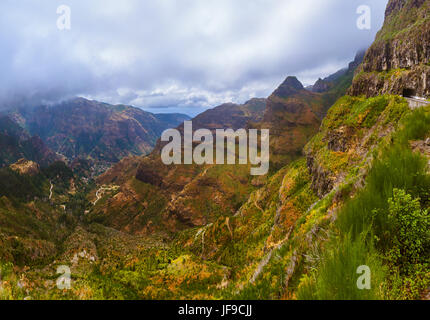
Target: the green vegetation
pixel 405 21
pixel 336 278
pixel 386 223
pixel 23 187
pixel 277 241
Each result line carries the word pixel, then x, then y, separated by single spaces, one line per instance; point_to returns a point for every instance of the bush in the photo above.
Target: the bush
pixel 398 168
pixel 385 220
pixel 410 229
pixel 415 126
pixel 336 276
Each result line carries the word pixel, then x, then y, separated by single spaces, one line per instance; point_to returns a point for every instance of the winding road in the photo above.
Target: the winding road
pixel 98 196
pixel 50 190
pixel 103 189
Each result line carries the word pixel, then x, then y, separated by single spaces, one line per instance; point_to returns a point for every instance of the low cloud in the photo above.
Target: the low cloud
pixel 166 55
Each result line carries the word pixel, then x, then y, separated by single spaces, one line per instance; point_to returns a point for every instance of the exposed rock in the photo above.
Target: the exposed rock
pixel 339 139
pixel 422 147
pixel 322 180
pixel 373 84
pixel 399 58
pixel 80 250
pixel 26 167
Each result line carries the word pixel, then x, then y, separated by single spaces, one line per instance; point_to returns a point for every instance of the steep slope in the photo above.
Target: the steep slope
pixel 33 213
pixel 398 62
pixel 154 197
pixel 193 195
pixel 16 143
pixel 358 199
pixel 294 114
pixel 353 201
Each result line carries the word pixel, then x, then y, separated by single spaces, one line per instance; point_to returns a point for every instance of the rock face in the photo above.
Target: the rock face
pixel 399 59
pixel 352 128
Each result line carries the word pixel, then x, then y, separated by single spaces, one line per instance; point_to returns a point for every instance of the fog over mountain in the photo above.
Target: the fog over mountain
pixel 174 56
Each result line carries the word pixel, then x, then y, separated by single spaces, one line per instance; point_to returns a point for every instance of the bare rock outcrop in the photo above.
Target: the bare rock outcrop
pixel 26 167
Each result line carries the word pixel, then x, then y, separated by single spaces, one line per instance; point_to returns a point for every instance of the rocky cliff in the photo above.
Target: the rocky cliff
pixel 398 62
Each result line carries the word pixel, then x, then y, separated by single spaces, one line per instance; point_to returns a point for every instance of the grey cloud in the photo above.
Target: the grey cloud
pixel 173 55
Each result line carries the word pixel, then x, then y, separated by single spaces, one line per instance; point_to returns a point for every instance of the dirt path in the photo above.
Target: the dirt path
pixel 267 258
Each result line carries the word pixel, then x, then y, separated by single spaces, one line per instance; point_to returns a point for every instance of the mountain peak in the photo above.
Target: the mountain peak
pixel 290 86
pixel 293 82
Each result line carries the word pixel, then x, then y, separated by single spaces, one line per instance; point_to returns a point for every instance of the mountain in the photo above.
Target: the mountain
pixel 178 194
pixel 357 196
pixel 16 143
pixel 324 85
pixel 192 195
pixel 81 128
pixel 230 115
pixel 294 114
pixel 343 214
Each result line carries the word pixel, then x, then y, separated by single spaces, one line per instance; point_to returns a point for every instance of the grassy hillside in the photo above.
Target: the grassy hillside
pixel 287 242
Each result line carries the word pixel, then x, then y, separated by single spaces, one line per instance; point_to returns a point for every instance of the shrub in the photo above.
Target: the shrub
pixel 336 276
pixel 410 229
pixel 398 168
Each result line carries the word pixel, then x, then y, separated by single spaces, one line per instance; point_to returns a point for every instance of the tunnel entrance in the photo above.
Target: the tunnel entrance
pixel 409 93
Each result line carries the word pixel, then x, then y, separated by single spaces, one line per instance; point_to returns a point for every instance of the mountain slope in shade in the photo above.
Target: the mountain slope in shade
pixel 86 129
pixel 16 143
pixel 231 116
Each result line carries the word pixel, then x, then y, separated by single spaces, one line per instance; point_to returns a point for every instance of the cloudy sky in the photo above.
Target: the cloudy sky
pixel 173 55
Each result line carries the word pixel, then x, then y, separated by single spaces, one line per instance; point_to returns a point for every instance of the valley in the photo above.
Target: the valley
pixel 83 185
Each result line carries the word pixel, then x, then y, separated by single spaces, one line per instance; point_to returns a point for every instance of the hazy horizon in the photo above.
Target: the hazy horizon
pixel 166 57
